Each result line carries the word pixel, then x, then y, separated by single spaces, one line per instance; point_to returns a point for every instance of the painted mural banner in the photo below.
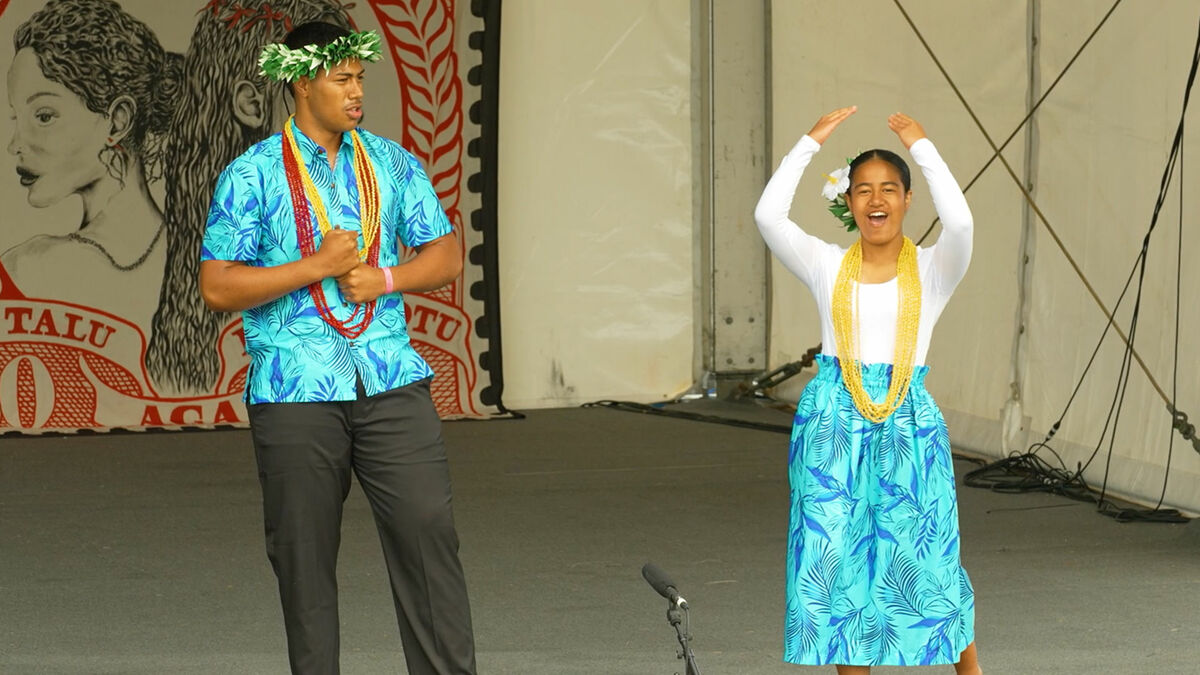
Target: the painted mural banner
pixel 122 116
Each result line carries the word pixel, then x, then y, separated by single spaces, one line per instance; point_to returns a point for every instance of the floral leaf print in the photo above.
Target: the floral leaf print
pixel 899 496
pixel 380 365
pixel 951 549
pixel 387 368
pixel 287 314
pixel 964 585
pixel 828 482
pixel 938 645
pixel 819 580
pixel 796 539
pixel 873 570
pixel 925 420
pixel 888 640
pixel 801 632
pixel 926 530
pixel 284 379
pixel 326 388
pixel 930 622
pixel 815 526
pixel 875 634
pixel 901 588
pixel 884 534
pixel 848 629
pixel 820 437
pixel 843 438
pixel 886 457
pixel 276 373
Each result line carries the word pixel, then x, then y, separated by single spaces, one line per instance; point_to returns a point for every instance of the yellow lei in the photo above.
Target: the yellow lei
pixel 846 327
pixel 364 177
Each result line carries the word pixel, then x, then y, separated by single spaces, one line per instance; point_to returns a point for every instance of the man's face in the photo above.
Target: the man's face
pixel 335 97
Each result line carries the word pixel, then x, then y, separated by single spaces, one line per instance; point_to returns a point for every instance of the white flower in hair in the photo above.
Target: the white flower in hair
pixel 836 183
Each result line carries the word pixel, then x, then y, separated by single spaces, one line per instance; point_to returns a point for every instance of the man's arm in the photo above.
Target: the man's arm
pixel 436 264
pixel 230 286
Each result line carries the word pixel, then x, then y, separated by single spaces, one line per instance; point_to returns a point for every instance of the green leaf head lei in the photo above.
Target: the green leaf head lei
pixel 282 64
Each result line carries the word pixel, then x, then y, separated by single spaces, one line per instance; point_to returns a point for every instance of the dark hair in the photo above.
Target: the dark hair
pixel 224 49
pixel 100 53
pixel 887 156
pixel 319 33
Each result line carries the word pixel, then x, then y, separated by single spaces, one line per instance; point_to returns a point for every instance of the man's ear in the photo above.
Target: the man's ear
pixel 249 106
pixel 300 87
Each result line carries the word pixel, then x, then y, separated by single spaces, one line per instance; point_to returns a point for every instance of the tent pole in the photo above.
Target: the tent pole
pixel 1014 422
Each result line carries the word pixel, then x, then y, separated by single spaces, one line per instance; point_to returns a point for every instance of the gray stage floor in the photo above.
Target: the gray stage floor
pixel 143 554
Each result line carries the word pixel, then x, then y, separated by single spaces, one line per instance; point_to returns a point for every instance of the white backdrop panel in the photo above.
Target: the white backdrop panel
pixel 1107 130
pixel 595 215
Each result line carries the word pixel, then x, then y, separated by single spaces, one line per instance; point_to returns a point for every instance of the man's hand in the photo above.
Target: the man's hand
pixel 338 254
pixel 363 283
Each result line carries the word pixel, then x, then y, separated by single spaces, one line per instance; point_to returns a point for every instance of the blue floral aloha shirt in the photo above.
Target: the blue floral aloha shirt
pixel 295 356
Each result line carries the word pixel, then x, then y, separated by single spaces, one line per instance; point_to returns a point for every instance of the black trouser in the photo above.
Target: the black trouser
pixel 393 443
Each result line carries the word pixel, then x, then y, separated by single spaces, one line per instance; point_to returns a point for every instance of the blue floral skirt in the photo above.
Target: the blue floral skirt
pixel 873 570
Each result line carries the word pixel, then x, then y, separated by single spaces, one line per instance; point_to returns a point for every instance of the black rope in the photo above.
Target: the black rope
pixel 1030 472
pixel 1032 110
pixel 1175 363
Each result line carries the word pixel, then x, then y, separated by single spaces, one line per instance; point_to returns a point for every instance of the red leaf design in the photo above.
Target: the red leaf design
pixel 420 36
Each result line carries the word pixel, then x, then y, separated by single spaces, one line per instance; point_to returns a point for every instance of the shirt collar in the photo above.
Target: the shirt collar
pixel 309 149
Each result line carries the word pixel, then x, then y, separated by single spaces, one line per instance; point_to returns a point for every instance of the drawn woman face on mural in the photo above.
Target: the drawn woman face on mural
pixel 56 139
pixel 92 94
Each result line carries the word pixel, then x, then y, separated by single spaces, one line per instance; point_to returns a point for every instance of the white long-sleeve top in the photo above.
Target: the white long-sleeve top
pixel 816 262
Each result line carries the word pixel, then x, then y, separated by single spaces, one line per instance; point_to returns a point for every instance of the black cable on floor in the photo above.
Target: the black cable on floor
pixel 630 406
pixel 645 409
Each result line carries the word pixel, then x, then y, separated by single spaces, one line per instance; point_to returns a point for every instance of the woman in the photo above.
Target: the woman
pixel 873 574
pixel 92 93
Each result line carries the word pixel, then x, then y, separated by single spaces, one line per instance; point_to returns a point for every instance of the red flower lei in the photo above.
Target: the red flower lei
pixel 304 193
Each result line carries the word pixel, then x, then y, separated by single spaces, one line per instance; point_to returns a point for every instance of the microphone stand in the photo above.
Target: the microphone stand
pixel 683 632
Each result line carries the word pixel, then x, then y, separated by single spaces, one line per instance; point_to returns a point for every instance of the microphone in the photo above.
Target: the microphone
pixel 665 587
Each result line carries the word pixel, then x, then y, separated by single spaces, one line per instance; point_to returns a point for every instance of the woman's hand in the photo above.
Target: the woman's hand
pixel 825 126
pixel 909 130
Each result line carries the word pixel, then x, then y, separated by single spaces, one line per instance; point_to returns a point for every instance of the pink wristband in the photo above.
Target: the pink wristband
pixel 387 281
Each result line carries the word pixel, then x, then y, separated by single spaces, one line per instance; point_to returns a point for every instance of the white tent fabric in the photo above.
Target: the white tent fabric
pixel 1102 140
pixel 595 208
pixel 598 229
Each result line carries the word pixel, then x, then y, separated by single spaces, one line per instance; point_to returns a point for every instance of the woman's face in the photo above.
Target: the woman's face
pixel 56 139
pixel 878 200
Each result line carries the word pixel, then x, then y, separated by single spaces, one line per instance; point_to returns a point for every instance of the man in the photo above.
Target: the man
pixel 302 237
pixel 224 106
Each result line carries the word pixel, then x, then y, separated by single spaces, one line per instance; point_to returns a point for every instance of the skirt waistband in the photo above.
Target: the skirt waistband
pixel 873 374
